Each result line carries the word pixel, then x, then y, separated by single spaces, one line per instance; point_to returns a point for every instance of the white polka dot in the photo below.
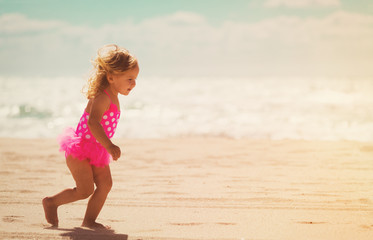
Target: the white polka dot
pixel 109 128
pixel 111 114
pixel 80 134
pixel 85 125
pixel 107 123
pixel 104 117
pixel 113 119
pixel 80 127
pixel 87 117
pixel 110 134
pixel 114 124
pixel 88 136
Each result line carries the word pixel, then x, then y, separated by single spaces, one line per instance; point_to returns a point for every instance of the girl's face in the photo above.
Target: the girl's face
pixel 123 83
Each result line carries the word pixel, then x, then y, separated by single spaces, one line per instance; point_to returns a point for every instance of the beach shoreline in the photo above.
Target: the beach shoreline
pixel 198 188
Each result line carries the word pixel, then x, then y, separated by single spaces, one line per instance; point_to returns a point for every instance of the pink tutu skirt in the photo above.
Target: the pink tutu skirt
pixel 83 149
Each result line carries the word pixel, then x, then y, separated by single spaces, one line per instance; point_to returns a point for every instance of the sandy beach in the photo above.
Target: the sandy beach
pixel 199 188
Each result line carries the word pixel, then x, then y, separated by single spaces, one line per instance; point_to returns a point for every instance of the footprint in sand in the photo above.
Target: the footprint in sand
pixel 367 226
pixel 186 224
pixel 197 224
pixel 310 222
pixel 367 149
pixel 226 223
pixel 11 219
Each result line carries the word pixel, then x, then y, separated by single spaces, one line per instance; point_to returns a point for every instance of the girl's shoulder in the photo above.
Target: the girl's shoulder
pixel 101 101
pixel 102 97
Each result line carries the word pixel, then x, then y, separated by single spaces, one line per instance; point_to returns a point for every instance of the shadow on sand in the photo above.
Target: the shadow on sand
pixel 88 234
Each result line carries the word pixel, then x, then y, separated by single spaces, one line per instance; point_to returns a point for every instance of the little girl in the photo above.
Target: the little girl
pixel 88 149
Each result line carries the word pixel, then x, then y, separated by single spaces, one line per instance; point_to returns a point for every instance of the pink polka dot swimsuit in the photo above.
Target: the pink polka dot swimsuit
pixel 109 122
pixel 81 144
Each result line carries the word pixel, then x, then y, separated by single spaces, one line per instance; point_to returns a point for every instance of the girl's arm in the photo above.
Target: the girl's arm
pixel 99 105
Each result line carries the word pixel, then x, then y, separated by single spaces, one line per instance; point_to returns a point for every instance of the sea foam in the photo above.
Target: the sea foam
pixel 262 108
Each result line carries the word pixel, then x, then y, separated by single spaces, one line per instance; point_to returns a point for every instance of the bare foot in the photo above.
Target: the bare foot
pixel 96 225
pixel 50 211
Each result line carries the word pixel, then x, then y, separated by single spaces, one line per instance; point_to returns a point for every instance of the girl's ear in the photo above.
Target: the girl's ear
pixel 109 77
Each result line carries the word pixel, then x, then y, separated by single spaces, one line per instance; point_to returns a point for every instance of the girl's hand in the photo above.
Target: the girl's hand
pixel 114 151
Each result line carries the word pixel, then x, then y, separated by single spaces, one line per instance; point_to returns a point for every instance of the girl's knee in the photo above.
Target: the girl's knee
pixel 85 192
pixel 105 186
pixel 108 185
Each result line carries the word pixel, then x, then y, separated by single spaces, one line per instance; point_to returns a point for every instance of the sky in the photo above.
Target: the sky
pixel 190 38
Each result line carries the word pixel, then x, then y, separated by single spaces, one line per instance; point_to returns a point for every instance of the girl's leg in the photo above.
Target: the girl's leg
pixel 83 176
pixel 103 181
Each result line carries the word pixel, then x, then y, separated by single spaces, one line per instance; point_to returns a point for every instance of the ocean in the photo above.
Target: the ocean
pixel 246 108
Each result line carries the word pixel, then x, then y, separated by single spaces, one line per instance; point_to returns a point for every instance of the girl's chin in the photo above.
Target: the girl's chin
pixel 126 92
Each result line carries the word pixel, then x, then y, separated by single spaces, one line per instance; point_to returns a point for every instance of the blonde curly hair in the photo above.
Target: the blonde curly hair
pixel 110 59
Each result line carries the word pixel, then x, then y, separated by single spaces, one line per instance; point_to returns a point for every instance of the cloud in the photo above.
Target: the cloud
pixel 301 3
pixel 185 44
pixel 15 23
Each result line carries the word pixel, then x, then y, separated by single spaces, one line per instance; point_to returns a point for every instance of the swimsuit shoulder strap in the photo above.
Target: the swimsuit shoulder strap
pixel 111 102
pixel 108 96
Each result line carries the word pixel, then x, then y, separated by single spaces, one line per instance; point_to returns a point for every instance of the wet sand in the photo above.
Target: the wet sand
pixel 198 188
